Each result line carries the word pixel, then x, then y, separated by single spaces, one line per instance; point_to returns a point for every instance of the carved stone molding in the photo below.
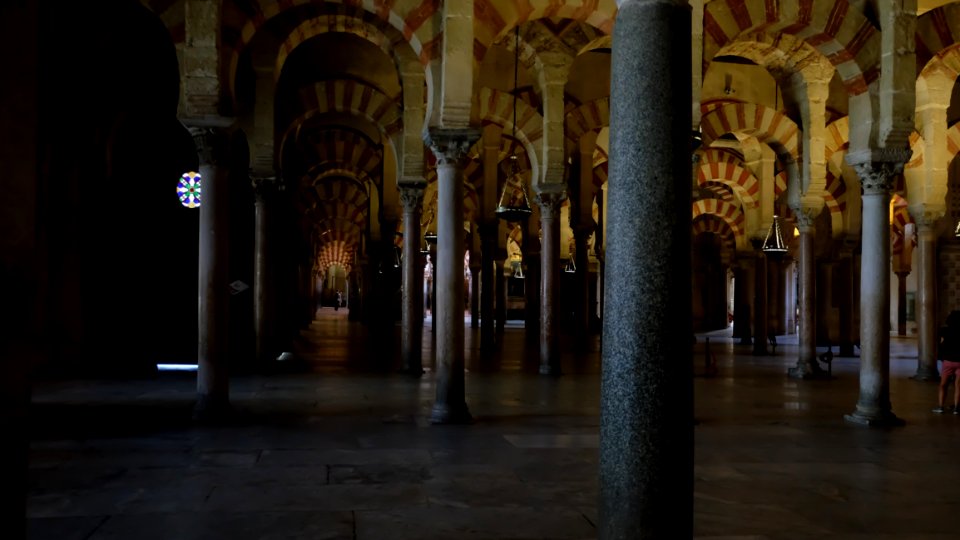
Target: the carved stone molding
pixel 550 203
pixel 450 146
pixel 213 144
pixel 411 197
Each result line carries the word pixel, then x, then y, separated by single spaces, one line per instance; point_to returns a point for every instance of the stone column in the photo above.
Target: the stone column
pixel 265 188
pixel 582 323
pixel 873 406
pixel 927 301
pixel 776 297
pixel 501 283
pixel 807 366
pixel 902 303
pixel 411 197
pixel 213 384
pixel 741 303
pixel 550 202
pixel 845 296
pixel 488 240
pixel 646 415
pixel 531 256
pixel 759 300
pixel 824 302
pixel 474 291
pixel 451 147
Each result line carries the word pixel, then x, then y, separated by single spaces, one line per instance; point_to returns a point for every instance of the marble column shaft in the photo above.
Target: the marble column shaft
pixel 213 387
pixel 873 405
pixel 550 203
pixel 265 189
pixel 451 147
pixel 411 349
pixel 807 366
pixel 646 415
pixel 927 304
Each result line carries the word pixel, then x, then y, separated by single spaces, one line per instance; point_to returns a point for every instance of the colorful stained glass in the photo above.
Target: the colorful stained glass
pixel 189 190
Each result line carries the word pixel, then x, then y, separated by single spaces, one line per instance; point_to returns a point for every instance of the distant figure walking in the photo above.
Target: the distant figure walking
pixel 949 353
pixel 339 301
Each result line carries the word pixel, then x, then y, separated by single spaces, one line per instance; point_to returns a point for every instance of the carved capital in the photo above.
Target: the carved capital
pixel 805 218
pixel 877 177
pixel 926 217
pixel 550 203
pixel 450 146
pixel 411 197
pixel 266 187
pixel 213 144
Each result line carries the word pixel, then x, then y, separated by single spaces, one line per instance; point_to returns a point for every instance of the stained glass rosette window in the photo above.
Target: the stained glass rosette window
pixel 188 189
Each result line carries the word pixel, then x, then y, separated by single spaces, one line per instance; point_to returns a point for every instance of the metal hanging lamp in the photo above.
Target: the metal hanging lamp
pixel 508 209
pixel 773 244
pixel 956 231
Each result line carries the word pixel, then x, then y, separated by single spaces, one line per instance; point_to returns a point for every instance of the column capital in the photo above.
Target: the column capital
pixel 550 202
pixel 925 216
pixel 876 177
pixel 212 142
pixel 411 197
pixel 450 145
pixel 265 187
pixel 805 219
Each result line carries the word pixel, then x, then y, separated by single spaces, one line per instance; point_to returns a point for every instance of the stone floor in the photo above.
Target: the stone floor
pixel 340 453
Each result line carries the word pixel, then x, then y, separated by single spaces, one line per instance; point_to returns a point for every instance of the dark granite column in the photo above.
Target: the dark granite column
pixel 213 384
pixel 807 366
pixel 451 147
pixel 646 415
pixel 759 300
pixel 488 247
pixel 264 190
pixel 926 300
pixel 873 406
pixel 411 197
pixel 550 202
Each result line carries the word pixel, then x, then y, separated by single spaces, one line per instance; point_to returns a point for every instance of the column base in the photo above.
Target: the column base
pixel 880 419
pixel 808 372
pixel 926 373
pixel 212 410
pixel 444 413
pixel 416 372
pixel 549 370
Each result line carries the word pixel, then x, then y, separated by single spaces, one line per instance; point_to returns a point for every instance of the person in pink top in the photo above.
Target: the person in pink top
pixel 949 353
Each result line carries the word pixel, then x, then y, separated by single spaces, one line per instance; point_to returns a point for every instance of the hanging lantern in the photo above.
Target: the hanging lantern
pixel 773 244
pixel 188 189
pixel 513 207
pixel 956 232
pixel 430 238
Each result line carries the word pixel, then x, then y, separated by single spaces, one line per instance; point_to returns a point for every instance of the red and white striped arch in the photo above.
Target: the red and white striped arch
pixel 726 211
pixel 837 29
